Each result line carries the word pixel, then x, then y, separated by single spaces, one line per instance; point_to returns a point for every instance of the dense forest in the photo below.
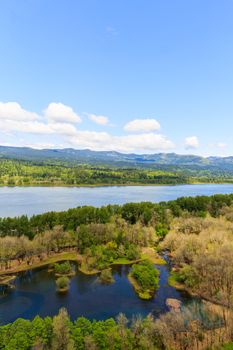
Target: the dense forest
pixel 157 215
pixel 170 331
pixel 196 233
pixel 24 173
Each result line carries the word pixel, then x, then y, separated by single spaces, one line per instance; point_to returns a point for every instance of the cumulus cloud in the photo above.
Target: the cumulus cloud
pixel 37 127
pixel 63 129
pixel 147 142
pixel 40 145
pixel 57 119
pixel 33 127
pixel 58 112
pixel 13 111
pixel 191 142
pixel 57 124
pixel 98 119
pixel 142 125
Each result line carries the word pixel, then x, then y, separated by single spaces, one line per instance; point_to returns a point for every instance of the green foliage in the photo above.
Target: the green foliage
pixel 161 230
pixel 228 346
pixel 133 212
pixel 61 337
pixel 97 169
pixel 131 252
pixel 146 275
pixel 15 172
pixel 170 331
pixel 188 276
pixel 62 283
pixel 99 257
pixel 63 268
pixel 185 275
pixel 202 255
pixel 110 233
pixel 106 276
pixel 145 213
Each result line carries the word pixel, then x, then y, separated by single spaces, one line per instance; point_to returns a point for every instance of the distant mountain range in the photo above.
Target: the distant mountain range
pixel 70 155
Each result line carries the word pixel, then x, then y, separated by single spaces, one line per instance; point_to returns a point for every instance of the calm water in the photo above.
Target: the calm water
pixel 16 201
pixel 35 293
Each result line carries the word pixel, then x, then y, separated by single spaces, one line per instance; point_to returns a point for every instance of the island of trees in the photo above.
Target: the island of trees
pixel 145 279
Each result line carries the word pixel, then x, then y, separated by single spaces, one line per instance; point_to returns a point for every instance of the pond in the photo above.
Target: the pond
pixel 35 294
pixel 15 201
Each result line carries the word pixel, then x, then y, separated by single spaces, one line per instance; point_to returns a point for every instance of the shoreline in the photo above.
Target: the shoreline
pixel 136 184
pixel 141 293
pixel 147 253
pixel 59 257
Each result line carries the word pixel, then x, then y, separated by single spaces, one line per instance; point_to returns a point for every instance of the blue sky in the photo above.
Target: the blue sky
pixel 139 76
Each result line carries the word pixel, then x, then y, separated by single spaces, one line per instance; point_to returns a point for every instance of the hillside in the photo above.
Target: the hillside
pixel 114 158
pixel 27 166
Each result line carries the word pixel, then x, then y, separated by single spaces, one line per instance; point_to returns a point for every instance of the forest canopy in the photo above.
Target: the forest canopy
pixel 60 173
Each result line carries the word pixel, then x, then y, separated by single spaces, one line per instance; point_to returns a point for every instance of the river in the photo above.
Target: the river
pixel 15 201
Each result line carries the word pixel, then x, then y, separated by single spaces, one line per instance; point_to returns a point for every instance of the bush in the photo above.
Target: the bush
pixel 188 275
pixel 106 276
pixel 62 283
pixel 146 275
pixel 132 252
pixel 63 268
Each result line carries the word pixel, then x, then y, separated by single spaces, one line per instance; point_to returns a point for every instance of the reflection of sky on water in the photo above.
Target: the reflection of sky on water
pixel 35 293
pixel 16 201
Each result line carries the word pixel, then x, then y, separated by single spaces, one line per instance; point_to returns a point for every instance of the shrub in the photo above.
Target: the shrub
pixel 146 275
pixel 106 276
pixel 62 283
pixel 63 268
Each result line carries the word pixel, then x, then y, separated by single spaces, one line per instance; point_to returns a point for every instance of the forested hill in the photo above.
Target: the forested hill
pixel 27 166
pixel 58 173
pixel 111 158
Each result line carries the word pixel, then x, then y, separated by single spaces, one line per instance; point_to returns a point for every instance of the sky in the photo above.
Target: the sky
pixel 134 76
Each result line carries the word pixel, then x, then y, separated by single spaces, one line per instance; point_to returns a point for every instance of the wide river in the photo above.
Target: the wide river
pixel 15 201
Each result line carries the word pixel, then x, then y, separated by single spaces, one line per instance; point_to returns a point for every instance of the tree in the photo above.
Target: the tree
pixel 62 284
pixel 62 339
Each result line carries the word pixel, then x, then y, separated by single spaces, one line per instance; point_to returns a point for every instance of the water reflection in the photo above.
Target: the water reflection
pixel 35 293
pixel 15 201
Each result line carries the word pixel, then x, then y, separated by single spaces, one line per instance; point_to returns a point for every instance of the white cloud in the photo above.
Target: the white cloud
pixel 58 112
pixel 98 119
pixel 148 142
pixel 33 127
pixel 63 129
pixel 39 145
pixel 57 119
pixel 56 125
pixel 13 111
pixel 142 125
pixel 191 142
